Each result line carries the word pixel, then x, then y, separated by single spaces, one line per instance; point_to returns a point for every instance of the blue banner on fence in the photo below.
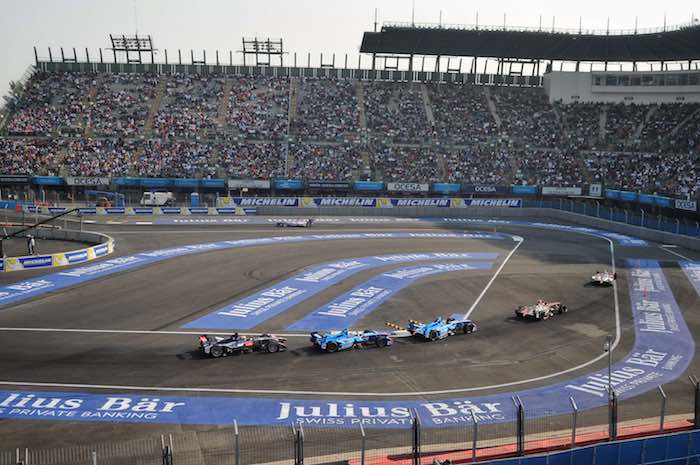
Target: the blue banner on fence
pixel 187 183
pixel 445 188
pixel 368 186
pixel 213 183
pixel 170 210
pixel 288 184
pixel 267 303
pixel 115 210
pixel 349 308
pixel 527 190
pixel 143 210
pixel 628 196
pixel 48 180
pixel 155 182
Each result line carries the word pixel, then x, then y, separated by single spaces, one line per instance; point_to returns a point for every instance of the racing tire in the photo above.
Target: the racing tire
pixel 273 347
pixel 216 352
pixel 466 329
pixel 381 342
pixel 433 336
pixel 332 347
pixel 564 309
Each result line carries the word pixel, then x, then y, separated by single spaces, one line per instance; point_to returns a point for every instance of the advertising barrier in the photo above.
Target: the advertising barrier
pixel 445 188
pixel 688 205
pixel 31 262
pixel 524 190
pixel 552 190
pixel 484 189
pixel 373 202
pixel 407 187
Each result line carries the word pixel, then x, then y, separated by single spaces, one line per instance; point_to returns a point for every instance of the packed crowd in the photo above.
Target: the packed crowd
pixel 461 114
pixel 258 107
pixel 396 112
pixel 325 112
pixel 646 172
pixel 407 163
pixel 480 164
pixel 324 161
pixel 551 167
pixel 527 117
pixel 262 127
pixel 190 105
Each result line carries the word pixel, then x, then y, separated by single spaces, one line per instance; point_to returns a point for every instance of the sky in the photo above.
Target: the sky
pixel 316 26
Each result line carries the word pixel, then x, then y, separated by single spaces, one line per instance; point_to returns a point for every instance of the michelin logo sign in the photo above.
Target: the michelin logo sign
pixel 372 202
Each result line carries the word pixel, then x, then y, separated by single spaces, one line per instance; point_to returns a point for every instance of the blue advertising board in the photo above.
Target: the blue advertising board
pixel 445 188
pixel 525 190
pixel 212 183
pixel 187 183
pixel 288 184
pixel 155 182
pixel 48 180
pixel 628 196
pixel 368 186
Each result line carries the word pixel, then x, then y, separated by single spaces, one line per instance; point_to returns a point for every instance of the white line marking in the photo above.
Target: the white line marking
pixel 135 331
pixel 676 254
pixel 493 278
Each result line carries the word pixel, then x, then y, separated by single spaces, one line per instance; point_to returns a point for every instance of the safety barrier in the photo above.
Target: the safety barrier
pixel 104 245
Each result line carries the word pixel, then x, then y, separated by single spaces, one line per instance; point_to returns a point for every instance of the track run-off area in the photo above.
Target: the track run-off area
pixel 115 341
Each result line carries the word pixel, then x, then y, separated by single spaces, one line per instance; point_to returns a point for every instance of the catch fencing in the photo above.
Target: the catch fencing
pixel 532 432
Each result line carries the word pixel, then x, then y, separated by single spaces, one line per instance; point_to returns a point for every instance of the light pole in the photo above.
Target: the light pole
pixel 607 347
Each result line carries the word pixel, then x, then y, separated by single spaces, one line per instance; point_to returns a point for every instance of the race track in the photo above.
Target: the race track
pixel 130 332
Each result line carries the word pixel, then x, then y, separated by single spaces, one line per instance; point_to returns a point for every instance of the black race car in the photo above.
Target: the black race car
pixel 216 346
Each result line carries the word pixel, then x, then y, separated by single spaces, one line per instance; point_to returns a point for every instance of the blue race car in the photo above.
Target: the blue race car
pixel 343 340
pixel 440 328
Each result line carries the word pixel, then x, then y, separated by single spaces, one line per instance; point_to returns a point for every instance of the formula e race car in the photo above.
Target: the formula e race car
pixel 343 340
pixel 216 347
pixel 541 310
pixel 292 223
pixel 441 328
pixel 604 278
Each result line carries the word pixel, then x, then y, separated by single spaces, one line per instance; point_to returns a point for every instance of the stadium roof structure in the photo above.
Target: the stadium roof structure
pixel 678 44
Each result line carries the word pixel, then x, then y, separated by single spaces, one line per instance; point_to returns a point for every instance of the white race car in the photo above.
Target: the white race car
pixel 604 278
pixel 293 223
pixel 541 310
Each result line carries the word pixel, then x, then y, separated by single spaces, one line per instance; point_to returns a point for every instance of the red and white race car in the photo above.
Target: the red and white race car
pixel 604 278
pixel 541 310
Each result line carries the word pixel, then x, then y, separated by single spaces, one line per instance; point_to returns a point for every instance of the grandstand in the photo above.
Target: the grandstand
pixel 217 121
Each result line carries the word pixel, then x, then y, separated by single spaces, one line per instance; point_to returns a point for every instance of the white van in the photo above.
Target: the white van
pixel 157 199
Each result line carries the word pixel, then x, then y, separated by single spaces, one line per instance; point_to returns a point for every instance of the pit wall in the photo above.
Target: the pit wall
pixel 538 214
pixel 104 245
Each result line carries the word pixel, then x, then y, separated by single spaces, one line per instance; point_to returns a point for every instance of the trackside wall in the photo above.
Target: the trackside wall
pixel 539 214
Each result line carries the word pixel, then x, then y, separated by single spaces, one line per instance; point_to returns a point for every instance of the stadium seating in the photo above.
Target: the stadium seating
pixel 90 124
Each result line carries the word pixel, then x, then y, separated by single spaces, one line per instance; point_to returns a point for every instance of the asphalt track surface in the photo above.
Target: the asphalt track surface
pixel 164 296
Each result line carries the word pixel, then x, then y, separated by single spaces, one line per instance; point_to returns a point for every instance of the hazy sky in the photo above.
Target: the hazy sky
pixel 315 26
